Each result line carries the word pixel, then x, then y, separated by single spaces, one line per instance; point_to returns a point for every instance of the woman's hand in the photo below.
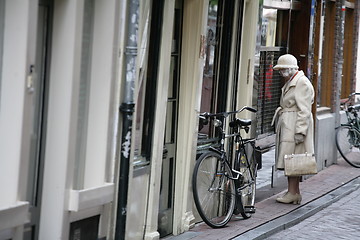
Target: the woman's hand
pixel 299 138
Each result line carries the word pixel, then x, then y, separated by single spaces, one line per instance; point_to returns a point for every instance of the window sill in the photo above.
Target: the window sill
pixel 91 197
pixel 14 216
pixel 323 110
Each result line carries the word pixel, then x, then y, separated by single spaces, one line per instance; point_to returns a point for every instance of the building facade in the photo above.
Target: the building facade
pixel 99 102
pixel 208 52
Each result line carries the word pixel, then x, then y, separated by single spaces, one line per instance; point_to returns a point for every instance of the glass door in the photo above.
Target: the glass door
pixel 166 203
pixel 222 59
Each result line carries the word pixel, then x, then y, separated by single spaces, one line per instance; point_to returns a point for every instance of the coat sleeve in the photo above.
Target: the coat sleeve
pixel 304 97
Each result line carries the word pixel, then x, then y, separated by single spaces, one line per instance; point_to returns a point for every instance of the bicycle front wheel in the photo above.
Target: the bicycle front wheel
pixel 213 190
pixel 348 144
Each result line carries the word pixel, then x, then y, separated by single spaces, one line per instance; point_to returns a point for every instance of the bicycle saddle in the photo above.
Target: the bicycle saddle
pixel 240 122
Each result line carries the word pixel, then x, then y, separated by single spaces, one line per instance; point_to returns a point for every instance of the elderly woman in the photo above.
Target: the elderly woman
pixel 294 127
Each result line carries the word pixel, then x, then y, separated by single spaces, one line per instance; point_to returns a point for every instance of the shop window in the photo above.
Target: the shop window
pixel 272 41
pixel 268 27
pixel 209 80
pixel 217 59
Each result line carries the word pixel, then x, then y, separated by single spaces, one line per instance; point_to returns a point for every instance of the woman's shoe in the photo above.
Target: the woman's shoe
pixel 290 198
pixel 299 198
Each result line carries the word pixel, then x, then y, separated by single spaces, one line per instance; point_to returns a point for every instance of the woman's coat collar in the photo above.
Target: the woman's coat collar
pixel 292 82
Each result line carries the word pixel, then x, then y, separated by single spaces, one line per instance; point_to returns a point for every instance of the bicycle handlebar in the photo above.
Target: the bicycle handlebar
pixel 354 93
pixel 225 114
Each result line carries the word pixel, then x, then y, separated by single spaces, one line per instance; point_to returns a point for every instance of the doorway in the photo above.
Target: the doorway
pixel 166 203
pixel 37 110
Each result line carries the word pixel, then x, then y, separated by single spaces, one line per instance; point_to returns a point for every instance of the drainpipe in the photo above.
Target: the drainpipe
pixel 126 110
pixel 340 8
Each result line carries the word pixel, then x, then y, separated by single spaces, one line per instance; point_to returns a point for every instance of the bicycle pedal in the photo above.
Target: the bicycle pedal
pixel 249 209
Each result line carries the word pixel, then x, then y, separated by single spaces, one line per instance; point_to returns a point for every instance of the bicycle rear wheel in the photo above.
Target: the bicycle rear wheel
pixel 247 183
pixel 213 190
pixel 348 144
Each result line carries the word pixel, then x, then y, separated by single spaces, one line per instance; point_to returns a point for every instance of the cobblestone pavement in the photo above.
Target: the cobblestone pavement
pixel 341 220
pixel 269 212
pixel 264 174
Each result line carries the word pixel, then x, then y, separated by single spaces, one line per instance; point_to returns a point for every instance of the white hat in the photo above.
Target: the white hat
pixel 286 61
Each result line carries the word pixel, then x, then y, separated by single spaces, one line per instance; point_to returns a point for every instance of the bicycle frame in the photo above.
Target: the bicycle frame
pixel 229 181
pixel 351 114
pixel 240 144
pixel 347 136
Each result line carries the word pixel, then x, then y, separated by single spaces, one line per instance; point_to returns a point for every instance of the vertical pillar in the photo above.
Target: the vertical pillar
pixel 194 27
pixel 340 21
pixel 62 118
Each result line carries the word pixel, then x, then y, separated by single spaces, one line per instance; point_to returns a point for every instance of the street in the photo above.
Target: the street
pixel 340 220
pixel 328 206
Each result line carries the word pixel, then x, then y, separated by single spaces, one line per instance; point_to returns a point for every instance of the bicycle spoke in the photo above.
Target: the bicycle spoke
pixel 214 193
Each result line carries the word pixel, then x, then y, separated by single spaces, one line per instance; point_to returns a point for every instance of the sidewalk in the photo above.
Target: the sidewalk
pixel 268 209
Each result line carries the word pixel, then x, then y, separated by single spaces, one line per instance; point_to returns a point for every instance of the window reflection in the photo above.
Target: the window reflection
pixel 210 51
pixel 268 31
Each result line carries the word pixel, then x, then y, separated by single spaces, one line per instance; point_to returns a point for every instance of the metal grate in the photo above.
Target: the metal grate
pixel 269 91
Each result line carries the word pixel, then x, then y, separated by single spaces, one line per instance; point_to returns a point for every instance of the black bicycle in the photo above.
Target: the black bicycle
pixel 222 186
pixel 348 134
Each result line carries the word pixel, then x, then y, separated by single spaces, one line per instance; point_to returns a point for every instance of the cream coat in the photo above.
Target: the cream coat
pixel 294 116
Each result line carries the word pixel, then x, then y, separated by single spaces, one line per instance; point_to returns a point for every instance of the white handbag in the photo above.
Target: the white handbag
pixel 300 164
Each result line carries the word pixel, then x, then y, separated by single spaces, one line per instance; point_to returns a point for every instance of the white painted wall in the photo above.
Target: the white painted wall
pixel 62 113
pixel 14 73
pixel 18 55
